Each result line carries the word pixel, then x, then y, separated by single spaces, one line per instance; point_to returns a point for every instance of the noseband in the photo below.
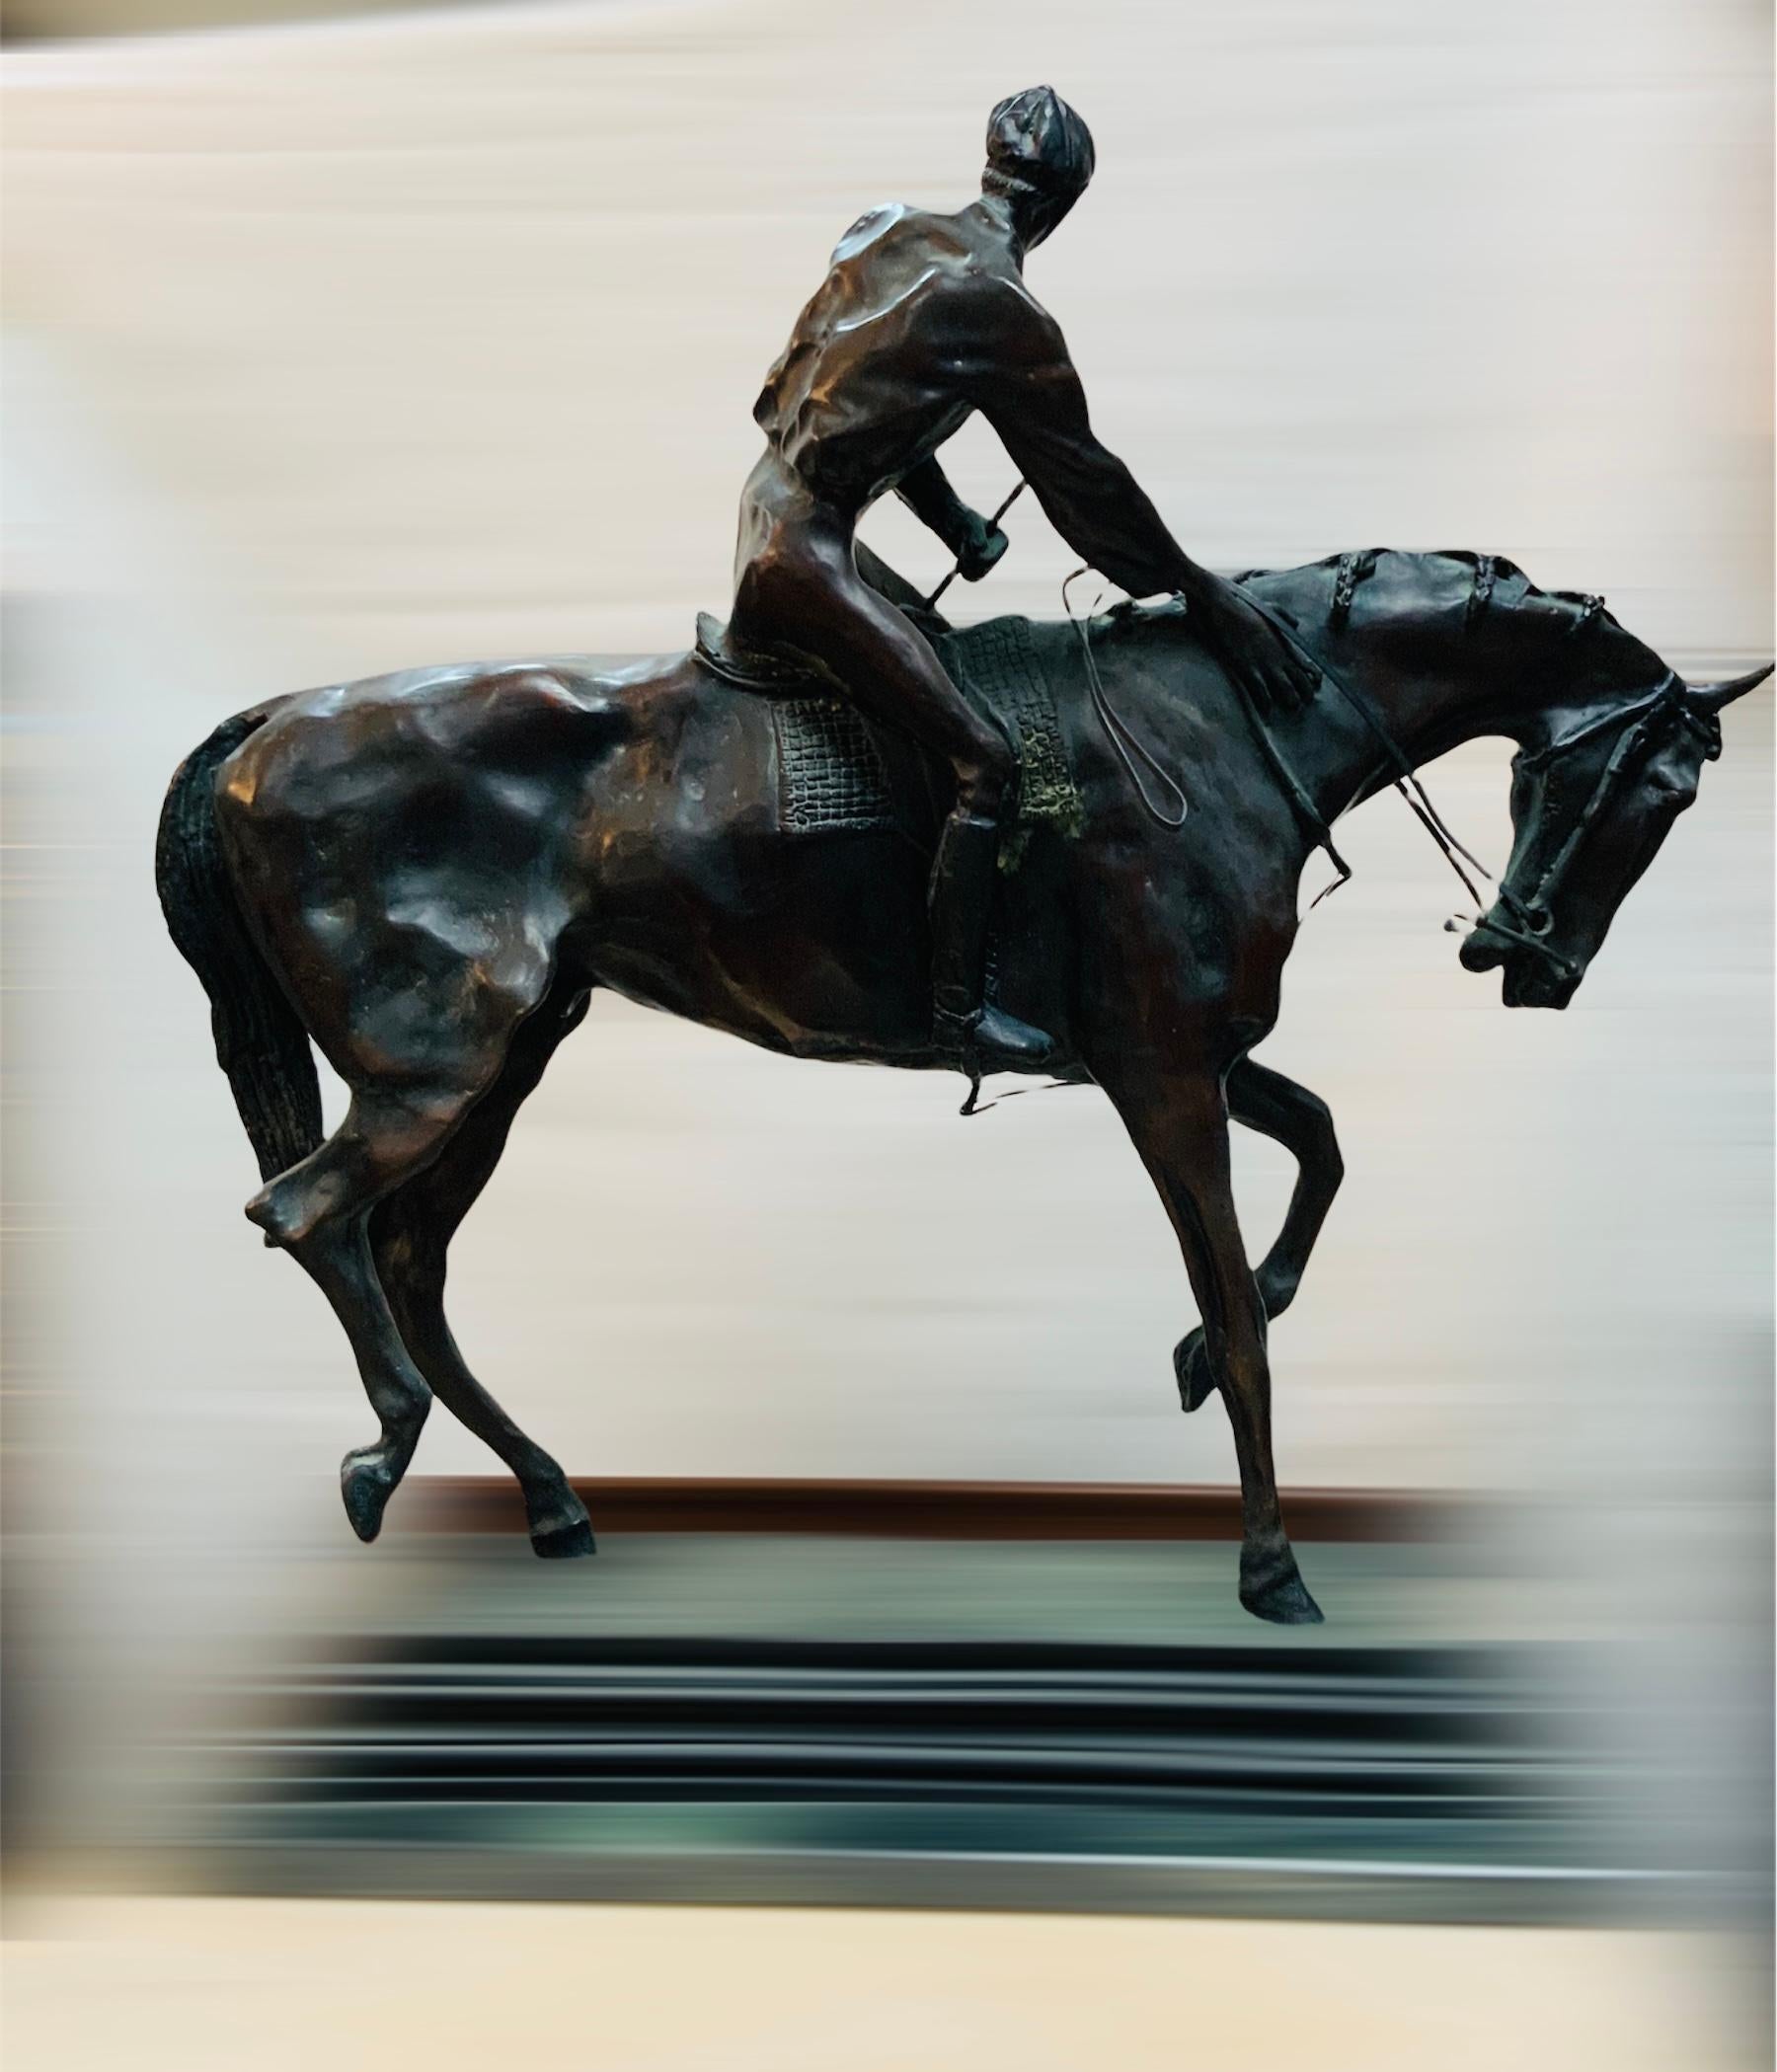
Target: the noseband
pixel 1646 727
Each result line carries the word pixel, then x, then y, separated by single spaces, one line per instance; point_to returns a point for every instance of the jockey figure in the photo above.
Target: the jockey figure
pixel 922 320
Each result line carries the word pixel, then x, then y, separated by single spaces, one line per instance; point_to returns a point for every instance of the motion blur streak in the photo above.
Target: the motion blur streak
pixel 326 344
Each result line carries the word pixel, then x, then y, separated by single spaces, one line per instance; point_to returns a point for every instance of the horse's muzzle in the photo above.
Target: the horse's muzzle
pixel 1530 978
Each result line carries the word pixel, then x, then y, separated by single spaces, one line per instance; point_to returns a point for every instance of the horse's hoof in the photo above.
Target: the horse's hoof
pixel 1190 1366
pixel 366 1486
pixel 1284 1601
pixel 564 1543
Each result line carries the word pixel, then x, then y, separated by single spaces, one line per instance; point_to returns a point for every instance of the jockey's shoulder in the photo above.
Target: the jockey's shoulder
pixel 962 244
pixel 874 224
pixel 1015 315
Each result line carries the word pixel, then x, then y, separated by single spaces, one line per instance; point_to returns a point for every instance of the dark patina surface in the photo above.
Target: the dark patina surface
pixel 427 874
pixel 924 319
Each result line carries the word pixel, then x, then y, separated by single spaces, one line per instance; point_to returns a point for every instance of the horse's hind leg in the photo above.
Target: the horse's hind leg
pixel 1288 1113
pixel 319 1211
pixel 411 1234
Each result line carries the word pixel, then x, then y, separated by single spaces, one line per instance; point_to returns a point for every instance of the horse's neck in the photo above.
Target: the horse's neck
pixel 1417 669
pixel 1374 718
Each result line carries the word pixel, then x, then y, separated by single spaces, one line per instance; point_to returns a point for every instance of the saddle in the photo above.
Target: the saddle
pixel 776 671
pixel 834 766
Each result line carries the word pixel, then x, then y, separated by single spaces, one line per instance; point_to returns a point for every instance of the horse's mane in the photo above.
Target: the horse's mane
pixel 1485 573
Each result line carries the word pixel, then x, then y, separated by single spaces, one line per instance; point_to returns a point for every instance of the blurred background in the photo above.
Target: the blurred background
pixel 338 342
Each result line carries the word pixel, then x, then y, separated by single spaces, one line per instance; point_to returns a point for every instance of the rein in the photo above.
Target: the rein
pixel 1118 733
pixel 1643 725
pixel 1406 778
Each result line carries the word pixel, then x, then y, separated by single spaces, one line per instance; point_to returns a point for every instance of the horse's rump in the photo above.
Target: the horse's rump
pixel 405 851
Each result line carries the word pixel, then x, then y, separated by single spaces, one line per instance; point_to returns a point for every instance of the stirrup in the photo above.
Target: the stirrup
pixel 986 1039
pixel 954 1040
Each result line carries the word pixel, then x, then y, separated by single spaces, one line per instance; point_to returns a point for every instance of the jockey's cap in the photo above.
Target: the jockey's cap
pixel 1037 140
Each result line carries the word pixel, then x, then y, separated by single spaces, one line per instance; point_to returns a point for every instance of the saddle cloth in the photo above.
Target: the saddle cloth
pixel 831 775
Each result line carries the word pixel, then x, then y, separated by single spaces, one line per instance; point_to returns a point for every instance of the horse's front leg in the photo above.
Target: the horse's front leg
pixel 1277 1108
pixel 1179 1122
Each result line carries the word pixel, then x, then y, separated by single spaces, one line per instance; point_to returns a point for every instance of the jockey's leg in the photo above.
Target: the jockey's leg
pixel 804 590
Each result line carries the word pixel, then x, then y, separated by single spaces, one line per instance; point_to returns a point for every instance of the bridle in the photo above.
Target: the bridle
pixel 1646 727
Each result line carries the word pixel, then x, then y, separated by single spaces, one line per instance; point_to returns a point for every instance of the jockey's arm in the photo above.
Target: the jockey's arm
pixel 1033 400
pixel 976 542
pixel 927 494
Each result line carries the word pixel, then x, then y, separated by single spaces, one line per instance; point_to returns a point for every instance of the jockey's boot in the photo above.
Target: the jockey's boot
pixel 977 1036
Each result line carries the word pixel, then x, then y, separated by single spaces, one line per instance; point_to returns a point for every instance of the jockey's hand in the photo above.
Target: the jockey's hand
pixel 1268 668
pixel 979 548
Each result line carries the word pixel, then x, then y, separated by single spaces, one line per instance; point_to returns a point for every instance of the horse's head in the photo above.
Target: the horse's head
pixel 1591 802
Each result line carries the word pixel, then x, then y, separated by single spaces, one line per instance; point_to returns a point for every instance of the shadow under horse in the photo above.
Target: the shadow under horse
pixel 425 875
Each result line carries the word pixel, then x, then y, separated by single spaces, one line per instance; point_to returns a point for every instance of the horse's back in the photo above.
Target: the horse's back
pixel 320 750
pixel 434 848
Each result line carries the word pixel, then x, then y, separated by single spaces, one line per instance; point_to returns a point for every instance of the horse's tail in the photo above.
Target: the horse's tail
pixel 259 1042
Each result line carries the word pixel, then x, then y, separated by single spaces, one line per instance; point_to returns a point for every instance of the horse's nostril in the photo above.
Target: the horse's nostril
pixel 1479 954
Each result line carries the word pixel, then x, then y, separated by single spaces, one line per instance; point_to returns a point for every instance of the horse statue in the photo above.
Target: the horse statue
pixel 427 874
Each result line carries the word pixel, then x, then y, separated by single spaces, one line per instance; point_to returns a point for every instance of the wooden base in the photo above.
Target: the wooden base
pixel 936 1511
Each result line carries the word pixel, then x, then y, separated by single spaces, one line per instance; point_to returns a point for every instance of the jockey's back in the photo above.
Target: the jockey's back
pixel 883 359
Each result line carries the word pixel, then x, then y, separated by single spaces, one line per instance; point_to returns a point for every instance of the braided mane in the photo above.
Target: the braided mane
pixel 1487 572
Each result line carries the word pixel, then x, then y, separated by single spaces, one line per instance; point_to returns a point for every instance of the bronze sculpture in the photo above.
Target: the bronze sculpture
pixel 426 875
pixel 922 320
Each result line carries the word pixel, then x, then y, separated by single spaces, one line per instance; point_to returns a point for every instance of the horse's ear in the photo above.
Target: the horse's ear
pixel 1711 697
